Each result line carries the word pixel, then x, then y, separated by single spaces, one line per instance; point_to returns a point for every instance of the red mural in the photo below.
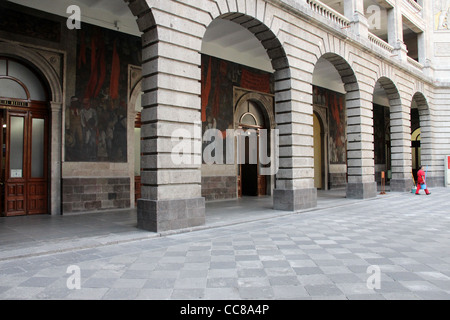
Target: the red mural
pixel 219 77
pixel 96 118
pixel 115 73
pixel 335 103
pixel 254 81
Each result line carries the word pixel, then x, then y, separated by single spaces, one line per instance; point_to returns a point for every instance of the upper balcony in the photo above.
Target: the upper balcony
pixel 413 5
pixel 393 30
pixel 329 13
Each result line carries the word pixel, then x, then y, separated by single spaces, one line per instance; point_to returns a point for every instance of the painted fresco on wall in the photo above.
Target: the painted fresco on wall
pixel 335 102
pixel 96 118
pixel 218 79
pixel 27 25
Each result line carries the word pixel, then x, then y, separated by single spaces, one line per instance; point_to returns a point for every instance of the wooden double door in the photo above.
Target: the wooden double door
pixel 24 162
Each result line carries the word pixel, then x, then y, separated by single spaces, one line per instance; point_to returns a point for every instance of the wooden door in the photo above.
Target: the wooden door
pixel 261 185
pixel 26 163
pixel 2 158
pixel 15 182
pixel 37 179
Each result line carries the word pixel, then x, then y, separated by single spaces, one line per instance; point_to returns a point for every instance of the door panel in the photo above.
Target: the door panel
pixel 37 197
pixel 26 182
pixel 37 192
pixel 15 186
pixel 261 185
pixel 15 199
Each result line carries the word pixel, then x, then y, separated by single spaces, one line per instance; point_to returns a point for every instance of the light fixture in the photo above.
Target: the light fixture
pixel 4 126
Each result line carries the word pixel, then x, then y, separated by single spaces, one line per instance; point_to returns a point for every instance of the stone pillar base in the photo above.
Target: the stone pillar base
pixel 435 182
pixel 401 185
pixel 293 200
pixel 361 190
pixel 165 215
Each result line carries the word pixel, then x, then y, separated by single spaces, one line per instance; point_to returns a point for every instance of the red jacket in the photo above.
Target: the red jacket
pixel 420 177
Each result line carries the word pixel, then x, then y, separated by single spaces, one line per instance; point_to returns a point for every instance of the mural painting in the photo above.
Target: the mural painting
pixel 96 118
pixel 27 25
pixel 218 79
pixel 335 102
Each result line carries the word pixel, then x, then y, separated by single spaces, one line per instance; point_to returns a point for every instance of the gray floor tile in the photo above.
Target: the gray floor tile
pixel 121 294
pixel 323 290
pixel 154 294
pixel 254 293
pixel 319 254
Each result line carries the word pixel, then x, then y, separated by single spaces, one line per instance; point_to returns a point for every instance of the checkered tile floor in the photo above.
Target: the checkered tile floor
pixel 319 254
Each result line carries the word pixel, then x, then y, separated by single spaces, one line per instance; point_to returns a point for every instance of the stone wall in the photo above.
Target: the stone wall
pixel 94 194
pixel 337 180
pixel 219 188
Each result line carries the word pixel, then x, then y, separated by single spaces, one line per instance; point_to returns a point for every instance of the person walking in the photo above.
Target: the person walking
pixel 421 181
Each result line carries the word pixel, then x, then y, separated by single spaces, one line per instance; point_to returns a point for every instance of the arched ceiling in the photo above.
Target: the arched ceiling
pixel 223 39
pixel 230 41
pixel 110 14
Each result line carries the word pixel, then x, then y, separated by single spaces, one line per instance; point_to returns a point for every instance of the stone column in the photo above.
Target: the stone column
pixel 294 186
pixel 424 38
pixel 55 157
pixel 395 32
pixel 427 139
pixel 360 149
pixel 354 11
pixel 171 185
pixel 401 162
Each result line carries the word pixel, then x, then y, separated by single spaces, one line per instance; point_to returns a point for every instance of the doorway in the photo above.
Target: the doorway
pixel 24 162
pixel 24 120
pixel 416 152
pixel 249 167
pixel 318 153
pixel 250 180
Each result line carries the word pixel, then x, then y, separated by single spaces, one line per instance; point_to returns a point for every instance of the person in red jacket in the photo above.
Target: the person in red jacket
pixel 421 181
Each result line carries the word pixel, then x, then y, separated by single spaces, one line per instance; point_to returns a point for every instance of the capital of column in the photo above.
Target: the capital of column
pixel 55 106
pixel 400 50
pixel 360 25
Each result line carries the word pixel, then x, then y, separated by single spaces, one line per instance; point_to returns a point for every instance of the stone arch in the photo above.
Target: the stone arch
pixel 135 93
pixel 285 196
pixel 391 90
pixel 400 137
pixel 346 72
pixel 426 141
pixel 321 115
pixel 39 64
pixel 422 105
pixel 359 134
pixel 264 101
pixel 393 100
pixel 265 35
pixel 53 84
pixel 177 87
